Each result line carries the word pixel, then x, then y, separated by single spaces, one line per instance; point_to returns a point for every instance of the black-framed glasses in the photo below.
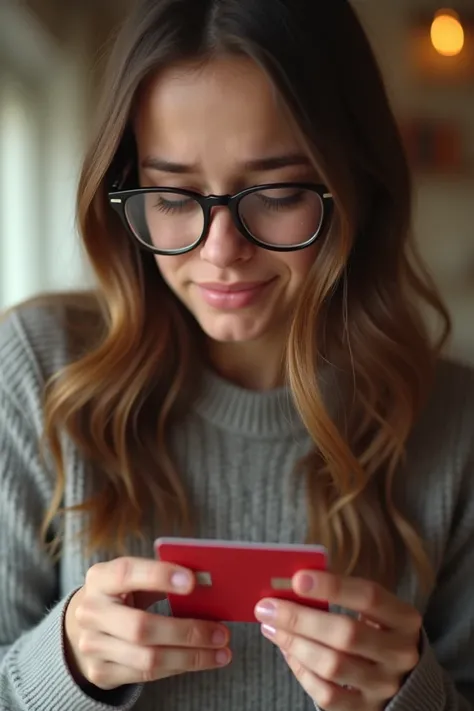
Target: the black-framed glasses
pixel 282 217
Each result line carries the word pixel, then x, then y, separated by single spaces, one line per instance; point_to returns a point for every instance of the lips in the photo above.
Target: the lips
pixel 233 288
pixel 230 297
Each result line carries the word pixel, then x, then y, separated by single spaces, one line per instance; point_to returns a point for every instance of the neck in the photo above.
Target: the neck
pixel 252 365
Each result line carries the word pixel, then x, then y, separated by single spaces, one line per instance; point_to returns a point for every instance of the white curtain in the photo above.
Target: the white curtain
pixel 42 100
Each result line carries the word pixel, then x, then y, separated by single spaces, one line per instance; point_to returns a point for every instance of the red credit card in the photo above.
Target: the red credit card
pixel 232 576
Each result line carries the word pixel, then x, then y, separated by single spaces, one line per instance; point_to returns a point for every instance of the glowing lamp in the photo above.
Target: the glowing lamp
pixel 447 33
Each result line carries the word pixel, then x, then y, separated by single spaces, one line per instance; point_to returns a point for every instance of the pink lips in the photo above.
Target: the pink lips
pixel 232 296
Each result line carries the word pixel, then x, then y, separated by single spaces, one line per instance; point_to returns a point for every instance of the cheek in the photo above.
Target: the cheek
pixel 164 265
pixel 299 263
pixel 170 268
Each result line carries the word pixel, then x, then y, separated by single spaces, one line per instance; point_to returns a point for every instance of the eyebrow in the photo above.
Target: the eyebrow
pixel 259 165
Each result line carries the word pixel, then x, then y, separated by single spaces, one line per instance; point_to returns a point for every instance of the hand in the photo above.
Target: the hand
pixel 111 640
pixel 343 663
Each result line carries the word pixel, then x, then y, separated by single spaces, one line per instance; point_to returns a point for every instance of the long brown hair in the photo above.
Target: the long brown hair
pixel 360 309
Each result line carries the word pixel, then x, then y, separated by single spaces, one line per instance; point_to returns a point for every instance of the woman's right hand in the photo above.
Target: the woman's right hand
pixel 111 640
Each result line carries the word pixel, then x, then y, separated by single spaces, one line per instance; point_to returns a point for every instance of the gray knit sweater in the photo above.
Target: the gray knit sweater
pixel 235 451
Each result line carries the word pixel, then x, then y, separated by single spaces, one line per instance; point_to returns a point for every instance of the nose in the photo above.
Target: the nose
pixel 224 244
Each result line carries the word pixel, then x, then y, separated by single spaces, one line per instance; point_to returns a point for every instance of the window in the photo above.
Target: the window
pixel 42 102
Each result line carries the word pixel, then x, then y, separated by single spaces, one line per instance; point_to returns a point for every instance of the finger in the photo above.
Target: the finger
pixel 147 628
pixel 371 623
pixel 364 596
pixel 108 675
pixel 326 695
pixel 141 664
pixel 340 632
pixel 336 667
pixel 127 575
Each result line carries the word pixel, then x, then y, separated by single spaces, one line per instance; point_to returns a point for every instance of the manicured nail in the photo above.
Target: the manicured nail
pixel 222 657
pixel 218 638
pixel 180 581
pixel 265 611
pixel 306 583
pixel 268 631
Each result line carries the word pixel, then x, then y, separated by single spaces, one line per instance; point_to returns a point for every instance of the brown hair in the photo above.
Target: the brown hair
pixel 360 310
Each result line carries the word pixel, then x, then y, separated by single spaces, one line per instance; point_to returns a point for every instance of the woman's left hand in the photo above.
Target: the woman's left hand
pixel 344 663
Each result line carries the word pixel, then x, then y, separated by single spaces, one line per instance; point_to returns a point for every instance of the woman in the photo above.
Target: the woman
pixel 253 366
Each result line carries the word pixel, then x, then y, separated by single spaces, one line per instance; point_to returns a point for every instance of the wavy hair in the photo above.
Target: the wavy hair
pixel 361 310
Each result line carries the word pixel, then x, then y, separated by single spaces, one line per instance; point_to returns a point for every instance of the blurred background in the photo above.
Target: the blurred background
pixel 51 55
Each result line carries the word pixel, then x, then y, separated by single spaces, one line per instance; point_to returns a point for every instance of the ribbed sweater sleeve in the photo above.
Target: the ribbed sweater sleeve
pixel 34 675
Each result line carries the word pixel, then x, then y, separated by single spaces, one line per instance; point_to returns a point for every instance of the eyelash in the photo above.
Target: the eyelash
pixel 281 203
pixel 167 207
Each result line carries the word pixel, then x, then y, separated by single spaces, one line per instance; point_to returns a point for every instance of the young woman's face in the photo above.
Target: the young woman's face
pixel 218 122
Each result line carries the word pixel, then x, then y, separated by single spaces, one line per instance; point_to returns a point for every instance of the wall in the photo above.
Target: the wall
pixel 444 220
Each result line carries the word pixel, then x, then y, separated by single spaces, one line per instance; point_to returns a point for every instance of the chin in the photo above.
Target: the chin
pixel 232 330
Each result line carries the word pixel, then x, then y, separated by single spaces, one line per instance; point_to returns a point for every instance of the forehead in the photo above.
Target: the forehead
pixel 227 105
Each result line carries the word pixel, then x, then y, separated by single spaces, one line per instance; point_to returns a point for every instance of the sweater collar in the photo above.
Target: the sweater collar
pixel 251 413
pixel 260 414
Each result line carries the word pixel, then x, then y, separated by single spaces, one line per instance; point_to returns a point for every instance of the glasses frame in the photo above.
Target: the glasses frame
pixel 118 200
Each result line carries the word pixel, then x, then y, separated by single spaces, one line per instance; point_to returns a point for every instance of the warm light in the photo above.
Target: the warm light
pixel 447 34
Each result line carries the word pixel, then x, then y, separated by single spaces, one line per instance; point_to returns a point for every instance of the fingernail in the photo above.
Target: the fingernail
pixel 306 583
pixel 180 580
pixel 268 631
pixel 218 638
pixel 222 657
pixel 265 610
